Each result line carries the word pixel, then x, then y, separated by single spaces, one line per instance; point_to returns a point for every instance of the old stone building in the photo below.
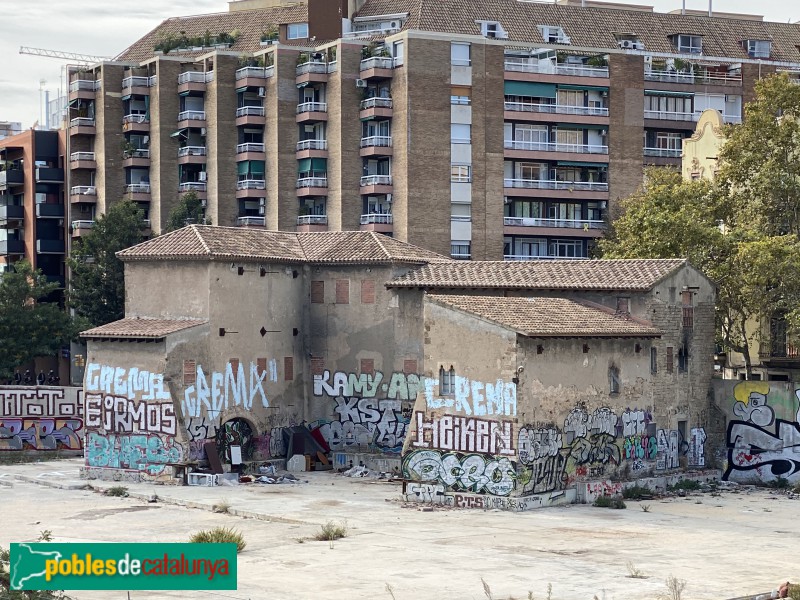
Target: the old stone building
pixel 561 372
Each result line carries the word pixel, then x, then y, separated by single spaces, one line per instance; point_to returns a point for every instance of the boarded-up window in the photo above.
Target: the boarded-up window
pixel 288 368
pixel 189 372
pixel 317 366
pixel 614 381
pixel 317 292
pixel 653 360
pixel 688 308
pixel 368 366
pixel 669 359
pixel 623 305
pixel 367 291
pixel 342 291
pixel 261 365
pixel 409 366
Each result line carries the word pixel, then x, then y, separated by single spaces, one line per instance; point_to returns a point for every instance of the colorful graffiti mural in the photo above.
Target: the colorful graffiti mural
pixel 40 434
pixel 41 418
pixel 461 472
pixel 764 442
pixel 464 434
pixel 139 452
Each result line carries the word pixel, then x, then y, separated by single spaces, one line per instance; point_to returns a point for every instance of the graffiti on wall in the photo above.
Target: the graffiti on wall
pixel 473 397
pixel 220 391
pixel 428 493
pixel 697 451
pixel 464 434
pixel 148 453
pixel 41 418
pixel 540 453
pixel 121 414
pixel 367 409
pixel 764 442
pixel 236 432
pixel 478 473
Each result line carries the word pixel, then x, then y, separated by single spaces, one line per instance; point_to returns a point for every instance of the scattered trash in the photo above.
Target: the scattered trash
pixel 283 477
pixel 268 470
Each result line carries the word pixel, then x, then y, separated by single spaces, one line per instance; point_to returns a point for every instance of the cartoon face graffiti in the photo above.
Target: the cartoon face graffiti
pixel 754 409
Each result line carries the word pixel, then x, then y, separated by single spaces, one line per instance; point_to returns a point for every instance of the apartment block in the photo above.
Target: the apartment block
pixel 501 130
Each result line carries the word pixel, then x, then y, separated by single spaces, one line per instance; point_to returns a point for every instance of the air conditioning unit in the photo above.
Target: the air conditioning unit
pixel 203 202
pixel 603 132
pixel 394 25
pixel 361 83
pixel 638 45
pixel 202 176
pixel 262 91
pixel 202 131
pixel 626 44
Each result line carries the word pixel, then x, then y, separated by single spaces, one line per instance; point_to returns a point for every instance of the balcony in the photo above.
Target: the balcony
pixel 82 193
pixel 307 223
pixel 380 222
pixel 521 65
pixel 664 115
pixel 192 155
pixel 581 227
pixel 49 246
pixel 376 145
pixel 374 108
pixel 136 84
pixel 83 88
pixel 311 149
pixel 11 216
pixel 135 123
pixel 694 78
pixel 250 147
pixel 192 186
pixel 250 115
pixel 192 118
pixel 251 222
pixel 250 188
pixel 376 184
pixel 534 112
pixel 81 228
pixel 192 81
pixel 12 247
pixel 663 152
pixel 311 111
pixel 312 186
pixel 82 160
pixel 547 188
pixel 49 211
pixel 11 178
pixel 554 147
pixel 136 158
pixel 253 76
pixel 82 126
pixel 49 175
pixel 312 66
pixel 376 67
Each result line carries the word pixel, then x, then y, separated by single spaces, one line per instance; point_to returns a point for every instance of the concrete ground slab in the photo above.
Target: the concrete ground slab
pixel 725 546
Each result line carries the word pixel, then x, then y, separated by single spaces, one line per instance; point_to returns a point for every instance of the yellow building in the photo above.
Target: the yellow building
pixel 701 150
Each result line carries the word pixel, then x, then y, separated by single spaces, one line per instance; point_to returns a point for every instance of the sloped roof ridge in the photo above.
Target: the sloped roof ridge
pixel 201 240
pixel 380 244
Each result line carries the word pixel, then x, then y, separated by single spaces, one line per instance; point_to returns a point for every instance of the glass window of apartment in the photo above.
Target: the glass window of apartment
pixel 568 174
pixel 460 249
pixel 398 52
pixel 553 34
pixel 296 31
pixel 526 248
pixel 669 141
pixel 570 98
pixel 460 173
pixel 567 249
pixel 569 211
pixel 569 136
pixel 524 209
pixel 531 171
pixel 594 211
pixel 460 133
pixel 460 94
pixel 530 134
pixel 459 54
pixel 759 48
pixel 689 43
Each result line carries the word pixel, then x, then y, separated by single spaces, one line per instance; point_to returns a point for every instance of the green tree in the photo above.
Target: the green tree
pixel 97 283
pixel 189 210
pixel 30 325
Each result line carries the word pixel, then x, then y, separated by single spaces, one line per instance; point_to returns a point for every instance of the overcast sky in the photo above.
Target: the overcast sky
pixel 105 28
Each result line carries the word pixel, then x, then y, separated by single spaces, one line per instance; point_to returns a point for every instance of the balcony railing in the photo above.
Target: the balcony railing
pixel 376 140
pixel 82 225
pixel 249 147
pixel 152 80
pixel 376 219
pixel 139 118
pixel 251 221
pixel 521 65
pixel 313 66
pixel 548 184
pixel 138 188
pixel 768 349
pixel 312 182
pixel 76 156
pixel 192 151
pixel 312 145
pixel 376 103
pixel 555 147
pixel 560 109
pixel 135 81
pixel 312 220
pixel 702 77
pixel 668 115
pixel 137 153
pixel 663 152
pixel 192 115
pixel 83 190
pixel 82 85
pixel 541 257
pixel 377 62
pixel 332 66
pixel 567 223
pixel 305 107
pixel 81 122
pixel 250 111
pixel 251 184
pixel 192 77
pixel 725 118
pixel 376 180
pixel 192 186
pixel 245 72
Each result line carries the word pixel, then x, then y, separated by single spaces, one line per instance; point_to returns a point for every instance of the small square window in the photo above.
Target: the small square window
pixel 459 54
pixel 296 31
pixel 447 381
pixel 692 44
pixel 758 48
pixel 460 173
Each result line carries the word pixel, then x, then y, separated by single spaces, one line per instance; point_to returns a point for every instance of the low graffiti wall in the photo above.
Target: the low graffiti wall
pixel 39 418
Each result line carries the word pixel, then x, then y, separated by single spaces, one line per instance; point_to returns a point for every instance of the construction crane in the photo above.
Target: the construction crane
pixel 74 57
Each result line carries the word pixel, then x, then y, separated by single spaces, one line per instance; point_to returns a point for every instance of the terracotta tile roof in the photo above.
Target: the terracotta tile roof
pixel 250 24
pixel 630 275
pixel 254 245
pixel 549 317
pixel 591 26
pixel 141 328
